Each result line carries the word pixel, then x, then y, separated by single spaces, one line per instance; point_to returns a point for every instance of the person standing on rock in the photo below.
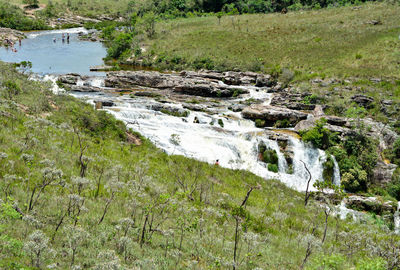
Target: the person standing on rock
pixel 217 162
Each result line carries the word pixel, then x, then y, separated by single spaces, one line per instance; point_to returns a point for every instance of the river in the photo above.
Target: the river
pixel 234 145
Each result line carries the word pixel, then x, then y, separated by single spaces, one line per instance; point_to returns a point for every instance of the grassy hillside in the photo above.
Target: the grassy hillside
pixel 76 194
pixel 334 41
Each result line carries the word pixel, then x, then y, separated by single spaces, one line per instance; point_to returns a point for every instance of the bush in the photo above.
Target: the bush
pixel 354 180
pixel 273 168
pixel 396 151
pixel 320 136
pixel 13 17
pixel 120 45
pixel 285 123
pixel 260 123
pixel 270 156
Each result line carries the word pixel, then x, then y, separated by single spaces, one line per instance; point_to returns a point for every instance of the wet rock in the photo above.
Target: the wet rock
pixel 99 104
pixel 84 88
pixel 170 110
pixel 147 94
pixel 70 78
pixel 194 107
pixel 363 100
pixel 237 107
pixel 271 114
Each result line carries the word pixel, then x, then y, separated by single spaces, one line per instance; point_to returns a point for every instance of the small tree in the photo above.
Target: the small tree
pixel 36 246
pixel 149 24
pixel 219 16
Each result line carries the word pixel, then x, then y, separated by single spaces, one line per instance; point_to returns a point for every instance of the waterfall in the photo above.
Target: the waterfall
pixel 234 144
pixel 336 172
pixel 96 81
pixel 282 164
pixel 312 157
pixel 397 220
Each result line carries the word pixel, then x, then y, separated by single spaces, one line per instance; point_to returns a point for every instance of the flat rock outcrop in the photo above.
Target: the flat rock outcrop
pixel 272 114
pixel 189 83
pixel 370 204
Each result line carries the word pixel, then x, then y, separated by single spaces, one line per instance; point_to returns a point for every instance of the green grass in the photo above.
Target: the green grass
pixel 40 132
pixel 331 42
pixel 86 8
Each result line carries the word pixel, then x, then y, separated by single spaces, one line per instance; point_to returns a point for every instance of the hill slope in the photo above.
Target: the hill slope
pixel 76 193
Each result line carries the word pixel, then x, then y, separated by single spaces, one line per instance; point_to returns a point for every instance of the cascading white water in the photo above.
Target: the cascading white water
pixel 397 220
pixel 336 172
pixel 235 144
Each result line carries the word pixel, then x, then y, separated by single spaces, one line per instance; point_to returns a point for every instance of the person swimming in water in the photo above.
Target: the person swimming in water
pixel 54 40
pixel 68 37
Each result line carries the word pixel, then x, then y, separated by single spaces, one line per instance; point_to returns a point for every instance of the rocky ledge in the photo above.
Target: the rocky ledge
pixel 10 35
pixel 269 115
pixel 203 83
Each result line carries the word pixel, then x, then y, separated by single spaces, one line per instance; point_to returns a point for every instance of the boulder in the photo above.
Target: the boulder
pixel 363 100
pixel 99 104
pixel 171 110
pixel 271 114
pixel 264 81
pixel 70 78
pixel 383 173
pixel 237 107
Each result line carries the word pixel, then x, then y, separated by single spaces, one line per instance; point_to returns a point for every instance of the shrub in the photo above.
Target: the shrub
pixel 260 123
pixel 285 123
pixel 320 136
pixel 396 151
pixel 270 156
pixel 354 180
pixel 273 168
pixel 121 44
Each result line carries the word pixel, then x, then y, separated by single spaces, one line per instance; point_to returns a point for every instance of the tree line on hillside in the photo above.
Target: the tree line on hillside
pixel 232 6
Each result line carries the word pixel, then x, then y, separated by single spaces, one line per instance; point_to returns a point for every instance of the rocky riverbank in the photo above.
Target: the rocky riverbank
pixel 247 95
pixel 7 35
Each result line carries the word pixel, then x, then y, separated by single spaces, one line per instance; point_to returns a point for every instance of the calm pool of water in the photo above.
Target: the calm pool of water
pixel 58 57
